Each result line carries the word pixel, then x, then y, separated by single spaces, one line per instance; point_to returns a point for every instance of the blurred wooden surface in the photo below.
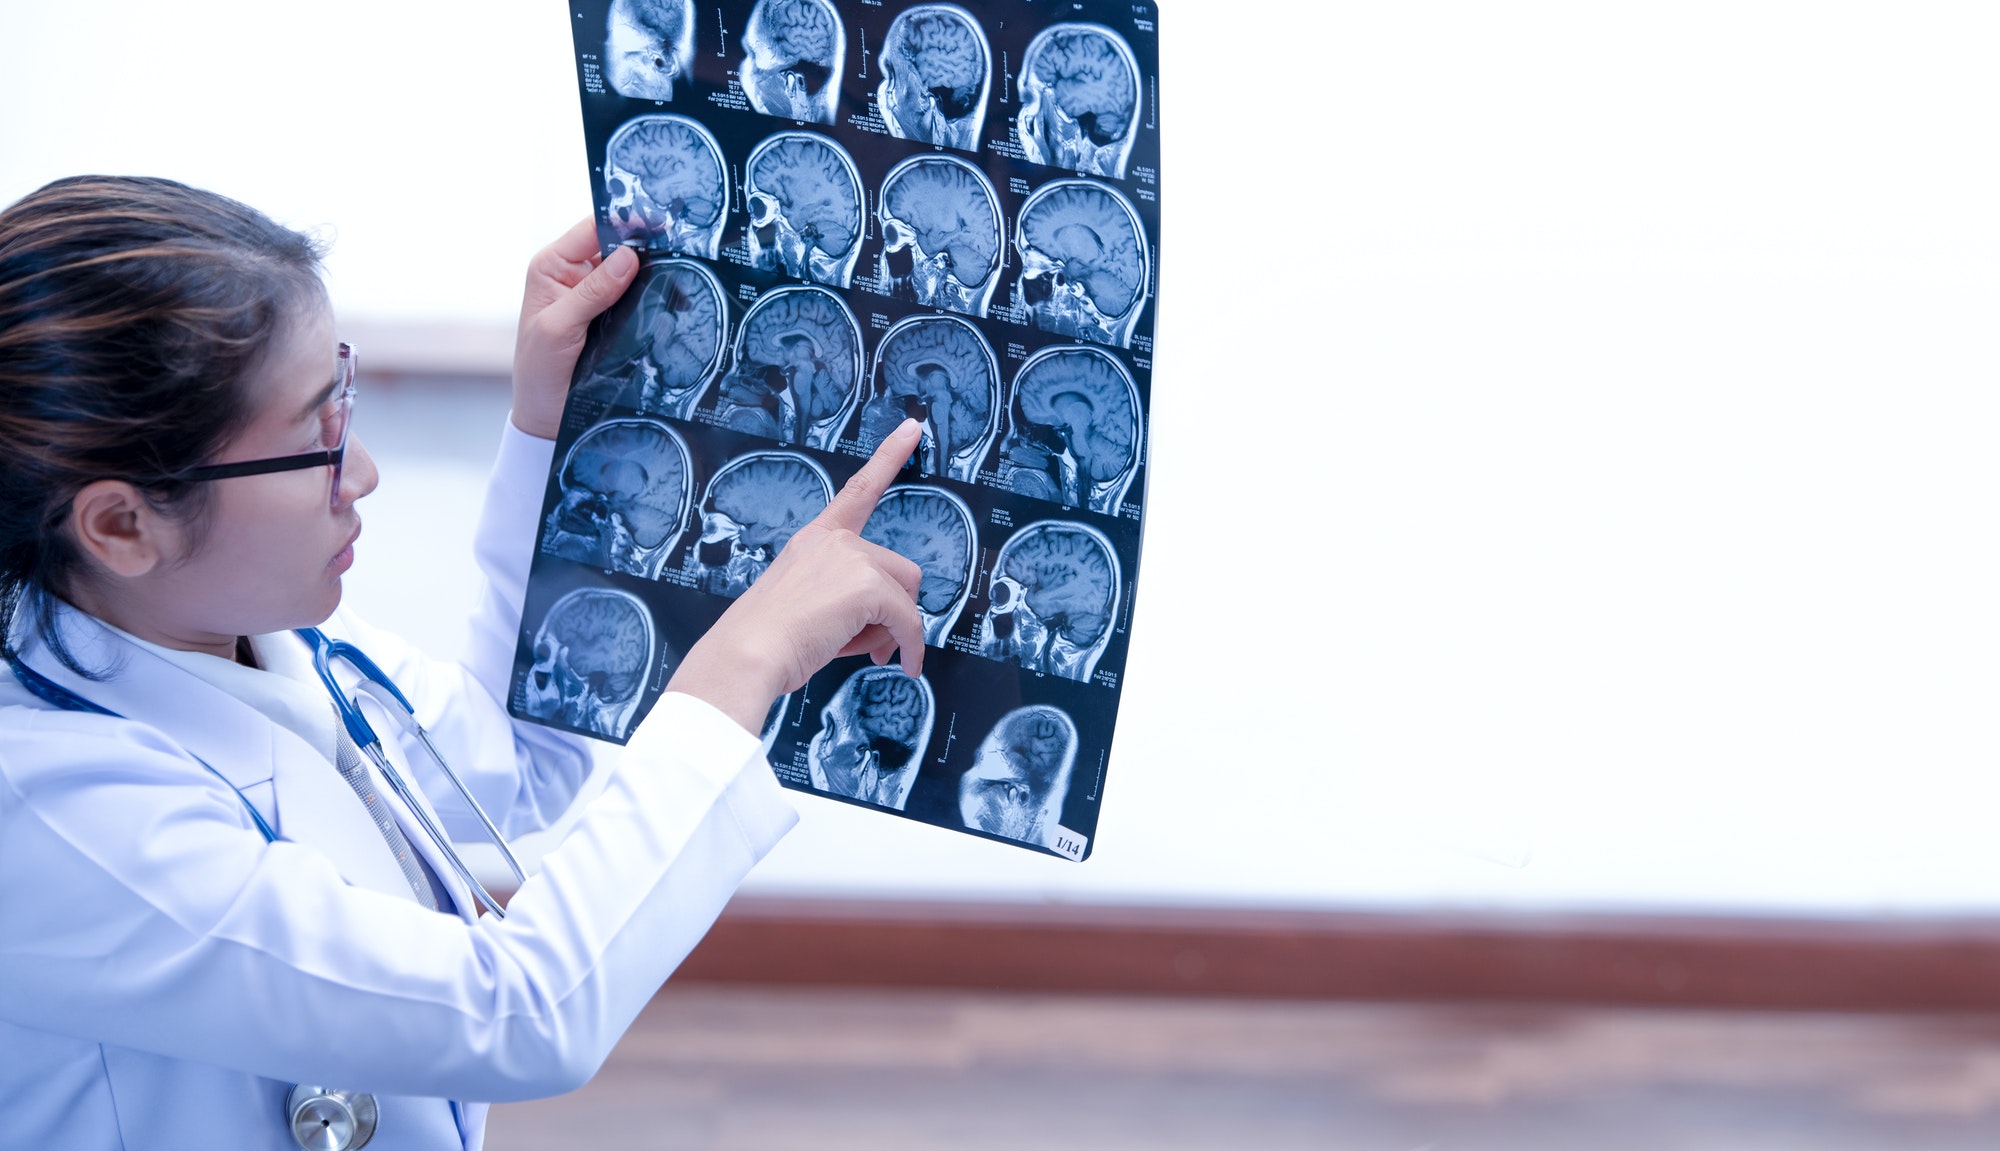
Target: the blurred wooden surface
pixel 1691 961
pixel 794 1069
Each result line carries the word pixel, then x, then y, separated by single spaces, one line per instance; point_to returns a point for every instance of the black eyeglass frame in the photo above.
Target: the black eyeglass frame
pixel 344 392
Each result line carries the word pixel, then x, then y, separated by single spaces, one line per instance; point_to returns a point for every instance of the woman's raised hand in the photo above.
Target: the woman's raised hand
pixel 829 593
pixel 568 286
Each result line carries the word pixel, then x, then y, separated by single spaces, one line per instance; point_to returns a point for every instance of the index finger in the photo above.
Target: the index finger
pixel 851 508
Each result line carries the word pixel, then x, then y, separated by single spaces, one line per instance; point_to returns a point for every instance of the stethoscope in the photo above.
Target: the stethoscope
pixel 323 1119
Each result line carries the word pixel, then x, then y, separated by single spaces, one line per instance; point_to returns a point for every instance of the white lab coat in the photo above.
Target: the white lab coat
pixel 166 975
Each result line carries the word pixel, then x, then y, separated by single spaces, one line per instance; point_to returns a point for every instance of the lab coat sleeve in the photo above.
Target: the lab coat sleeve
pixel 525 774
pixel 146 915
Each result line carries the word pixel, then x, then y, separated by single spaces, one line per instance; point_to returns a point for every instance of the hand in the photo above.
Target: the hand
pixel 568 286
pixel 829 593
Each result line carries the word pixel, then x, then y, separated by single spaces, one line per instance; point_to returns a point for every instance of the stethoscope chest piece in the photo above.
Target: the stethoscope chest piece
pixel 324 1120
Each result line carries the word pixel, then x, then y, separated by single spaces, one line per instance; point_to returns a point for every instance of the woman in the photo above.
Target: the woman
pixel 212 906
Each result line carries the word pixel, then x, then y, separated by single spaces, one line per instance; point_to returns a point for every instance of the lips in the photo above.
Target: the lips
pixel 344 558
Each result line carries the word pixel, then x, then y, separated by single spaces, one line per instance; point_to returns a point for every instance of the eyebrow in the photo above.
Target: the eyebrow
pixel 320 397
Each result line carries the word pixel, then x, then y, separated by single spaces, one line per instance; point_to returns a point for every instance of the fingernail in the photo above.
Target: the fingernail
pixel 908 423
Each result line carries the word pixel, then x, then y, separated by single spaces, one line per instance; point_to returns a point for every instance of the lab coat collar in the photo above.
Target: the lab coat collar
pixel 292 784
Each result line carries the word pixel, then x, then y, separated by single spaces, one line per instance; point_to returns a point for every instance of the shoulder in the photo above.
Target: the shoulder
pixel 40 745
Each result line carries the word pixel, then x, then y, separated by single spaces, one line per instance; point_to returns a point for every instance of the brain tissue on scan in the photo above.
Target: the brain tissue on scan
pixel 753 507
pixel 936 71
pixel 625 493
pixel 1084 262
pixel 649 47
pixel 660 344
pixel 804 197
pixel 933 529
pixel 1079 98
pixel 940 371
pixel 941 234
pixel 664 177
pixel 593 656
pixel 1020 776
pixel 1073 430
pixel 872 737
pixel 792 59
pixel 798 368
pixel 1052 600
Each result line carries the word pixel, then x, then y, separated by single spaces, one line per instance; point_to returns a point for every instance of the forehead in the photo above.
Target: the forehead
pixel 298 364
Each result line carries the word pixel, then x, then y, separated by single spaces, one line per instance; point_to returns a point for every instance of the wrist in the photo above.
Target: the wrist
pixel 732 681
pixel 533 420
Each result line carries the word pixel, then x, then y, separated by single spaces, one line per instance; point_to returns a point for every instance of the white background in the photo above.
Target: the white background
pixel 1574 423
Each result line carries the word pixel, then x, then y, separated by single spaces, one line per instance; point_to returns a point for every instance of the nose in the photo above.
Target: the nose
pixel 358 475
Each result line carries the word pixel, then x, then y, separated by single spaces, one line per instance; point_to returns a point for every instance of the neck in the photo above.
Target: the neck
pixel 129 618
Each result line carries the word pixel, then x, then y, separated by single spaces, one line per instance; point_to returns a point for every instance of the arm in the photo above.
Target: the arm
pixel 260 958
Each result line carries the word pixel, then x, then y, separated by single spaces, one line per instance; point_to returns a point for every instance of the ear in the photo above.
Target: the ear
pixel 115 526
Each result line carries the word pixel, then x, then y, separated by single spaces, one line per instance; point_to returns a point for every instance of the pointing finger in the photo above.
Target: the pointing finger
pixel 856 502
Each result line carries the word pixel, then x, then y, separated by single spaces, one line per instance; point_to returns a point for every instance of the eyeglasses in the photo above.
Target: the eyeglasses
pixel 335 416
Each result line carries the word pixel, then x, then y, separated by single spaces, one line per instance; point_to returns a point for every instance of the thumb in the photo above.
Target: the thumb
pixel 574 310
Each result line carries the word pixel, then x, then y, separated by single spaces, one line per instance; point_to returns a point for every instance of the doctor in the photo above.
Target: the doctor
pixel 218 926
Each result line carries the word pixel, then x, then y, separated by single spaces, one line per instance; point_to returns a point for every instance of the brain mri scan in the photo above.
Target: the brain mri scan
pixel 593 657
pixel 793 51
pixel 625 496
pixel 1079 99
pixel 872 737
pixel 1072 429
pixel 649 47
pixel 798 369
pixel 753 506
pixel 934 530
pixel 1052 600
pixel 936 71
pixel 1020 776
pixel 941 234
pixel 661 343
pixel 1084 262
pixel 804 196
pixel 664 175
pixel 940 371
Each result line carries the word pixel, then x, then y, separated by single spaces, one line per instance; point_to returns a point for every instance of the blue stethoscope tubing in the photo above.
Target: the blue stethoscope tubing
pixel 325 651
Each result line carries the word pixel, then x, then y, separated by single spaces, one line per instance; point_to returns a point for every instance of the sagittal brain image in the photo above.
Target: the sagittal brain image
pixel 872 737
pixel 791 66
pixel 649 47
pixel 941 234
pixel 754 506
pixel 625 495
pixel 933 529
pixel 935 69
pixel 1052 599
pixel 665 179
pixel 798 369
pixel 593 655
pixel 1079 99
pixel 660 344
pixel 1073 430
pixel 940 371
pixel 805 208
pixel 1020 776
pixel 1084 262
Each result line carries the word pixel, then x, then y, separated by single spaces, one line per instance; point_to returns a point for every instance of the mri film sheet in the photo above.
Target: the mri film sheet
pixel 850 214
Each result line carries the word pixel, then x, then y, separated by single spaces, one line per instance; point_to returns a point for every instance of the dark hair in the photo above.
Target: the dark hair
pixel 132 313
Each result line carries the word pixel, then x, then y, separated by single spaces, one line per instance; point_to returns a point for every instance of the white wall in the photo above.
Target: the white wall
pixel 1573 422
